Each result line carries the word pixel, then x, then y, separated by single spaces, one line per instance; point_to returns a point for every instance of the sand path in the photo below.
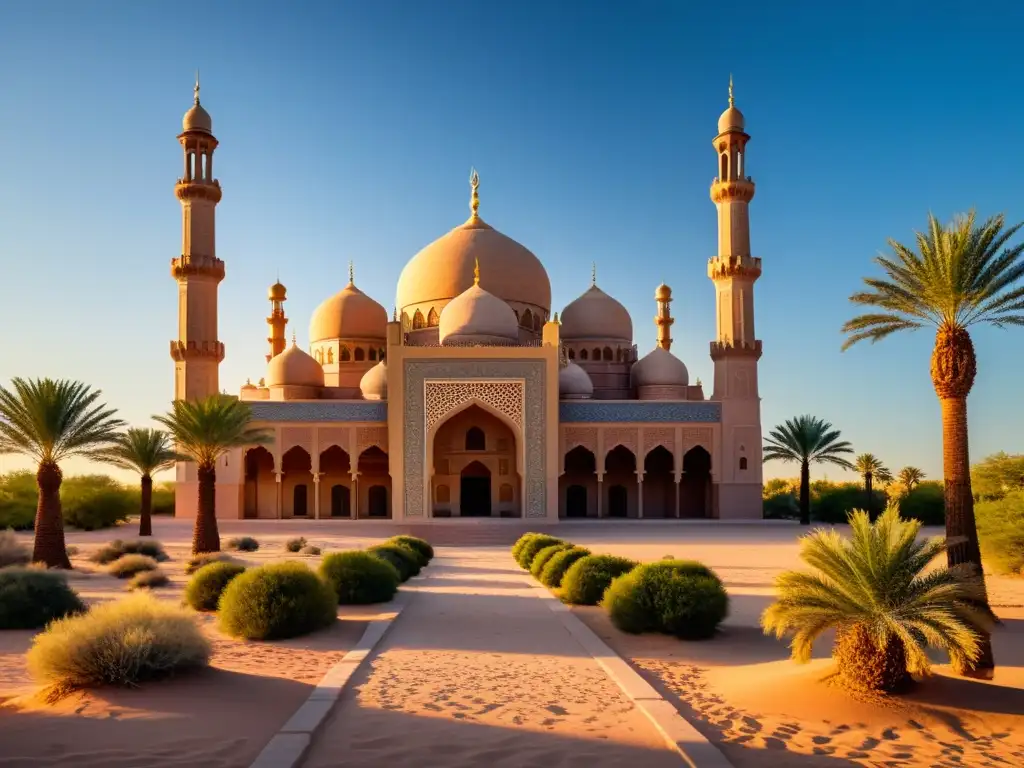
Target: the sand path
pixel 478 671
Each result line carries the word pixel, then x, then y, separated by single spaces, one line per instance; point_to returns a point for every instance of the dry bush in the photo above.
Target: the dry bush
pixel 129 565
pixel 205 558
pixel 12 551
pixel 148 580
pixel 108 553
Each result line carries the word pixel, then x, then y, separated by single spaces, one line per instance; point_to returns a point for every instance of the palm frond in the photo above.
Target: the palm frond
pixel 146 451
pixel 204 430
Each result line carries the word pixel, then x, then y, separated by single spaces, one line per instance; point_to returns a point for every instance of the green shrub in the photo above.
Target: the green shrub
pixel 833 502
pixel 12 551
pixel 204 589
pixel 204 559
pixel 108 553
pixel 521 542
pixel 404 560
pixel 96 501
pixel 676 597
pixel 163 499
pixel 148 580
pixel 1001 532
pixel 243 544
pixel 31 598
pixel 125 642
pixel 310 549
pixel 534 545
pixel 360 578
pixel 129 565
pixel 542 557
pixel 420 546
pixel 294 545
pixel 558 564
pixel 587 579
pixel 276 601
pixel 19 495
pixel 926 503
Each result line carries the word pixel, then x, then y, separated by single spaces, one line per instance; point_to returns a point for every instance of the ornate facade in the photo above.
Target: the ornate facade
pixel 474 399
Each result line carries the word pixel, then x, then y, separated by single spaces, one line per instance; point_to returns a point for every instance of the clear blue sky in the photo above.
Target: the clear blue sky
pixel 348 129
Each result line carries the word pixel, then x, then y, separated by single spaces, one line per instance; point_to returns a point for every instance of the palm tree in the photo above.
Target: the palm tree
pixel 872 589
pixel 910 477
pixel 961 275
pixel 203 431
pixel 146 451
pixel 807 440
pixel 51 421
pixel 870 468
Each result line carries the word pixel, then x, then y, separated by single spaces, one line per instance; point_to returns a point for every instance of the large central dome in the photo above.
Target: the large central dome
pixel 445 268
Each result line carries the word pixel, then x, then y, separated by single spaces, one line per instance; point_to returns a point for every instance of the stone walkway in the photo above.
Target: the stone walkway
pixel 478 671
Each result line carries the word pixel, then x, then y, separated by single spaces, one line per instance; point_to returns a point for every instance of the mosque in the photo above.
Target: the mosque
pixel 475 399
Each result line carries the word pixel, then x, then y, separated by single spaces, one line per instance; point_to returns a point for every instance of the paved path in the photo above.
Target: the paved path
pixel 478 671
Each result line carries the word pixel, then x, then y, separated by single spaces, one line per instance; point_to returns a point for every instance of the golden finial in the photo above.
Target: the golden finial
pixel 593 273
pixel 474 184
pixel 394 314
pixel 195 91
pixel 732 101
pixel 293 338
pixel 476 272
pixel 351 273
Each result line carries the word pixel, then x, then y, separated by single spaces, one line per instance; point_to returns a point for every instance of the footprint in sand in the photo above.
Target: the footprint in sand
pixel 821 739
pixel 890 734
pixel 556 710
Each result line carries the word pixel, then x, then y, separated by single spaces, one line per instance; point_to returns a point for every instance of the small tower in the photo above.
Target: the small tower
pixel 197 352
pixel 278 295
pixel 664 319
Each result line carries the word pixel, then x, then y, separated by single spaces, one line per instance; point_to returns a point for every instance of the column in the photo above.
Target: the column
pixel 355 495
pixel 316 495
pixel 278 508
pixel 640 494
pixel 600 494
pixel 678 479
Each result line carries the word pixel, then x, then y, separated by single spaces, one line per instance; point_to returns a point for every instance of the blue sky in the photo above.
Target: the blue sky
pixel 348 129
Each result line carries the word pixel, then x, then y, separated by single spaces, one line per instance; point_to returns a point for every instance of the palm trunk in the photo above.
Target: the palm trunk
pixel 205 537
pixel 146 509
pixel 870 503
pixel 805 493
pixel 49 541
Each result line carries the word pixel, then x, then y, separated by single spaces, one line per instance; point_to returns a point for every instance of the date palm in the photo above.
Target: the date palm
pixel 145 451
pixel 52 420
pixel 203 431
pixel 873 590
pixel 871 468
pixel 960 275
pixel 807 440
pixel 910 477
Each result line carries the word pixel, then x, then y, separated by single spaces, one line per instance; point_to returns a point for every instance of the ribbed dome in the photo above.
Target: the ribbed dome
pixel 659 367
pixel 596 315
pixel 476 315
pixel 444 269
pixel 731 120
pixel 294 367
pixel 574 383
pixel 374 384
pixel 348 314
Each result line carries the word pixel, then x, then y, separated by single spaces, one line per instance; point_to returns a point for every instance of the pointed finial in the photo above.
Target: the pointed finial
pixel 732 101
pixel 593 273
pixel 195 90
pixel 474 184
pixel 395 314
pixel 555 320
pixel 351 273
pixel 476 272
pixel 293 338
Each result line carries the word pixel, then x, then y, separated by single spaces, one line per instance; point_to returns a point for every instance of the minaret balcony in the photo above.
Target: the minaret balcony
pixel 186 266
pixel 197 350
pixel 724 267
pixel 728 348
pixel 198 189
pixel 732 190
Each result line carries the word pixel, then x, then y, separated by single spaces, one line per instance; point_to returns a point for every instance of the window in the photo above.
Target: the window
pixel 345 355
pixel 475 440
pixel 360 354
pixel 607 354
pixel 583 354
pixel 373 354
pixel 743 462
pixel 330 354
pixel 417 321
pixel 433 318
pixel 572 354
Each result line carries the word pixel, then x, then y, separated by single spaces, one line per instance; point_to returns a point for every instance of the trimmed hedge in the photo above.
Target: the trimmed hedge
pixel 276 601
pixel 204 589
pixel 31 598
pixel 420 546
pixel 404 560
pixel 556 566
pixel 532 546
pixel 359 578
pixel 587 579
pixel 541 558
pixel 521 542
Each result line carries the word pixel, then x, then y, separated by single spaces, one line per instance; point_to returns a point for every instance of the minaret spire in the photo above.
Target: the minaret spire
pixel 195 91
pixel 593 273
pixel 351 273
pixel 732 101
pixel 474 200
pixel 663 320
pixel 476 272
pixel 278 295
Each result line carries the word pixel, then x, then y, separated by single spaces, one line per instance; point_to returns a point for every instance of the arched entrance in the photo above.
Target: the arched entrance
pixel 576 501
pixel 578 484
pixel 341 501
pixel 260 484
pixel 659 486
pixel 475 491
pixel 297 466
pixel 620 477
pixel 695 488
pixel 335 483
pixel 373 484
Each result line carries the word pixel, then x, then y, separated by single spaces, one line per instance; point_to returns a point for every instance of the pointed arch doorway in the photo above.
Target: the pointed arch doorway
pixel 475 491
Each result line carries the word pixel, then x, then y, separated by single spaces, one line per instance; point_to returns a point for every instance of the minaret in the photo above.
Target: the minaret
pixel 278 295
pixel 664 319
pixel 197 352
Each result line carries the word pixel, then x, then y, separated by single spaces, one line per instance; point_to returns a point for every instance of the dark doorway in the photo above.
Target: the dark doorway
pixel 341 501
pixel 475 496
pixel 378 499
pixel 695 489
pixel 299 499
pixel 659 486
pixel 576 501
pixel 618 505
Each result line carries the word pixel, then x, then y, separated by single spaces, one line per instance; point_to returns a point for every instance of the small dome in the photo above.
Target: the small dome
pixel 476 315
pixel 374 384
pixel 248 385
pixel 277 292
pixel 731 120
pixel 293 367
pixel 197 119
pixel 659 367
pixel 348 314
pixel 662 293
pixel 596 315
pixel 574 383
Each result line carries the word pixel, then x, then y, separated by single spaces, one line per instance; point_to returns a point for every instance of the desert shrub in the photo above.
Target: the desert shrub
pixel 276 601
pixel 676 597
pixel 294 545
pixel 926 502
pixel 125 642
pixel 833 502
pixel 542 557
pixel 204 559
pixel 1001 532
pixel 96 501
pixel 12 551
pixel 204 589
pixel 243 544
pixel 360 578
pixel 19 495
pixel 108 553
pixel 404 560
pixel 71 550
pixel 783 505
pixel 521 542
pixel 129 565
pixel 587 579
pixel 995 476
pixel 163 499
pixel 556 566
pixel 148 580
pixel 31 598
pixel 310 549
pixel 421 546
pixel 534 545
